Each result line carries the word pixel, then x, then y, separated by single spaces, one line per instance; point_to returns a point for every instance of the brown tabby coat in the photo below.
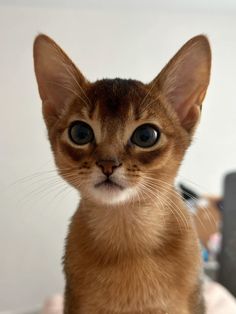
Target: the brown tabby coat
pixel 130 250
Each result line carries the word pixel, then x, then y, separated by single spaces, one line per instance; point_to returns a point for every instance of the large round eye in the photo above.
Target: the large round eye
pixel 145 136
pixel 80 133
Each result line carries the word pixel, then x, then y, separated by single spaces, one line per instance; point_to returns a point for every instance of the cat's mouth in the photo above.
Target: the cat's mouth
pixel 108 183
pixel 111 190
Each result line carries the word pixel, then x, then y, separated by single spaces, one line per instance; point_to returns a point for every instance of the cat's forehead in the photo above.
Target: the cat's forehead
pixel 112 105
pixel 119 98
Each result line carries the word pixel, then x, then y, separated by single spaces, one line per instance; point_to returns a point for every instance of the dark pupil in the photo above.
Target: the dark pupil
pixel 145 136
pixel 81 133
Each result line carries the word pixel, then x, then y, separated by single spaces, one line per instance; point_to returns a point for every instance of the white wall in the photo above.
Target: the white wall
pixel 34 212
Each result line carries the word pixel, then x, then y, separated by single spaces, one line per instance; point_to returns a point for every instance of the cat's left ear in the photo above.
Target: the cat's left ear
pixel 184 80
pixel 59 80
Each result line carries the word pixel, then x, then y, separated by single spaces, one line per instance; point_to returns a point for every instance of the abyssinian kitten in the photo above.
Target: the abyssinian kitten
pixel 131 247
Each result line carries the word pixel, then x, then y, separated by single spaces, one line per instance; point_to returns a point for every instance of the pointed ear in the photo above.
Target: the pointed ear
pixel 59 81
pixel 184 80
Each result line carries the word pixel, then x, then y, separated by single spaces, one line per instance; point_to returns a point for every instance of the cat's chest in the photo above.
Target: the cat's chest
pixel 130 288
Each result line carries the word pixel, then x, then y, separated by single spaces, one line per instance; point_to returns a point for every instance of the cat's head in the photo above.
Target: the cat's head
pixel 117 139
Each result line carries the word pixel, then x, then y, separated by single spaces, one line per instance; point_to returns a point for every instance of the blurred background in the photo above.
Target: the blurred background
pixel 106 38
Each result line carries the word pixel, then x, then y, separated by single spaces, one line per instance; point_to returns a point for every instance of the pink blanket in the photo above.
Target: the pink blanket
pixel 218 299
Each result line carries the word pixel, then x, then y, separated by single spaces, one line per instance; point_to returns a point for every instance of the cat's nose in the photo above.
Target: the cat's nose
pixel 108 166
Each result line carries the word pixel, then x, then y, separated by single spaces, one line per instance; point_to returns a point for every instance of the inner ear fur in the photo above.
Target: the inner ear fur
pixel 59 80
pixel 184 80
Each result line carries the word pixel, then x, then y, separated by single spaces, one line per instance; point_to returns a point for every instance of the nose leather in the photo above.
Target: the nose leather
pixel 108 166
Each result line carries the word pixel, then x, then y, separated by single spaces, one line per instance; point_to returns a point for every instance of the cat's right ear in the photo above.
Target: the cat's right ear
pixel 184 80
pixel 59 81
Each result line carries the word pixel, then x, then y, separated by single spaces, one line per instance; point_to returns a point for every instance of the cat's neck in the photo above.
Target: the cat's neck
pixel 132 227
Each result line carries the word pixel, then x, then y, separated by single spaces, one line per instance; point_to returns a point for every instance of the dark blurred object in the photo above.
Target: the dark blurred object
pixel 220 204
pixel 187 193
pixel 227 258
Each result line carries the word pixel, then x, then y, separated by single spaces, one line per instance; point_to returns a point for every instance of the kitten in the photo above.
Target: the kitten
pixel 131 246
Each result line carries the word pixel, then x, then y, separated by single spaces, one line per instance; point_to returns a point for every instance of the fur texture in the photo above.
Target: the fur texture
pixel 131 246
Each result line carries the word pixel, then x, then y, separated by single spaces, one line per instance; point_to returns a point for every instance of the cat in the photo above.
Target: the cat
pixel 131 246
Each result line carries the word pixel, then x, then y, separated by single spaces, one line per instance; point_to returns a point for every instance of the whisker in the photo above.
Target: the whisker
pixel 169 188
pixel 159 200
pixel 148 93
pixel 72 75
pixel 153 186
pixel 55 172
pixel 70 90
pixel 173 206
pixel 145 106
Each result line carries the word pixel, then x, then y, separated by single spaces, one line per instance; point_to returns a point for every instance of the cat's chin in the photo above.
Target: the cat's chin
pixel 112 195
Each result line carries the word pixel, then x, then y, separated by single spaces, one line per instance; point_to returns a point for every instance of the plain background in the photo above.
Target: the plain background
pixel 105 39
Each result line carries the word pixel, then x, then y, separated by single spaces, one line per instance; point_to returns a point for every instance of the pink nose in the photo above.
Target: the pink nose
pixel 108 166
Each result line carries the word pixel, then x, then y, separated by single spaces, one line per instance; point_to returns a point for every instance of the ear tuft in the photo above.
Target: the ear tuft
pixel 184 80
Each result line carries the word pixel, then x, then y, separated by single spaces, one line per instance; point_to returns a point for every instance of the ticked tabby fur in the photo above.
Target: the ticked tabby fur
pixel 131 246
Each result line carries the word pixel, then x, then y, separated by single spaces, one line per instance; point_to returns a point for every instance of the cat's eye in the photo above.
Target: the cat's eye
pixel 80 133
pixel 145 136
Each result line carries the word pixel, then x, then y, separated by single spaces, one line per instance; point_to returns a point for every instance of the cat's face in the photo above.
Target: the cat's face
pixel 109 147
pixel 120 140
